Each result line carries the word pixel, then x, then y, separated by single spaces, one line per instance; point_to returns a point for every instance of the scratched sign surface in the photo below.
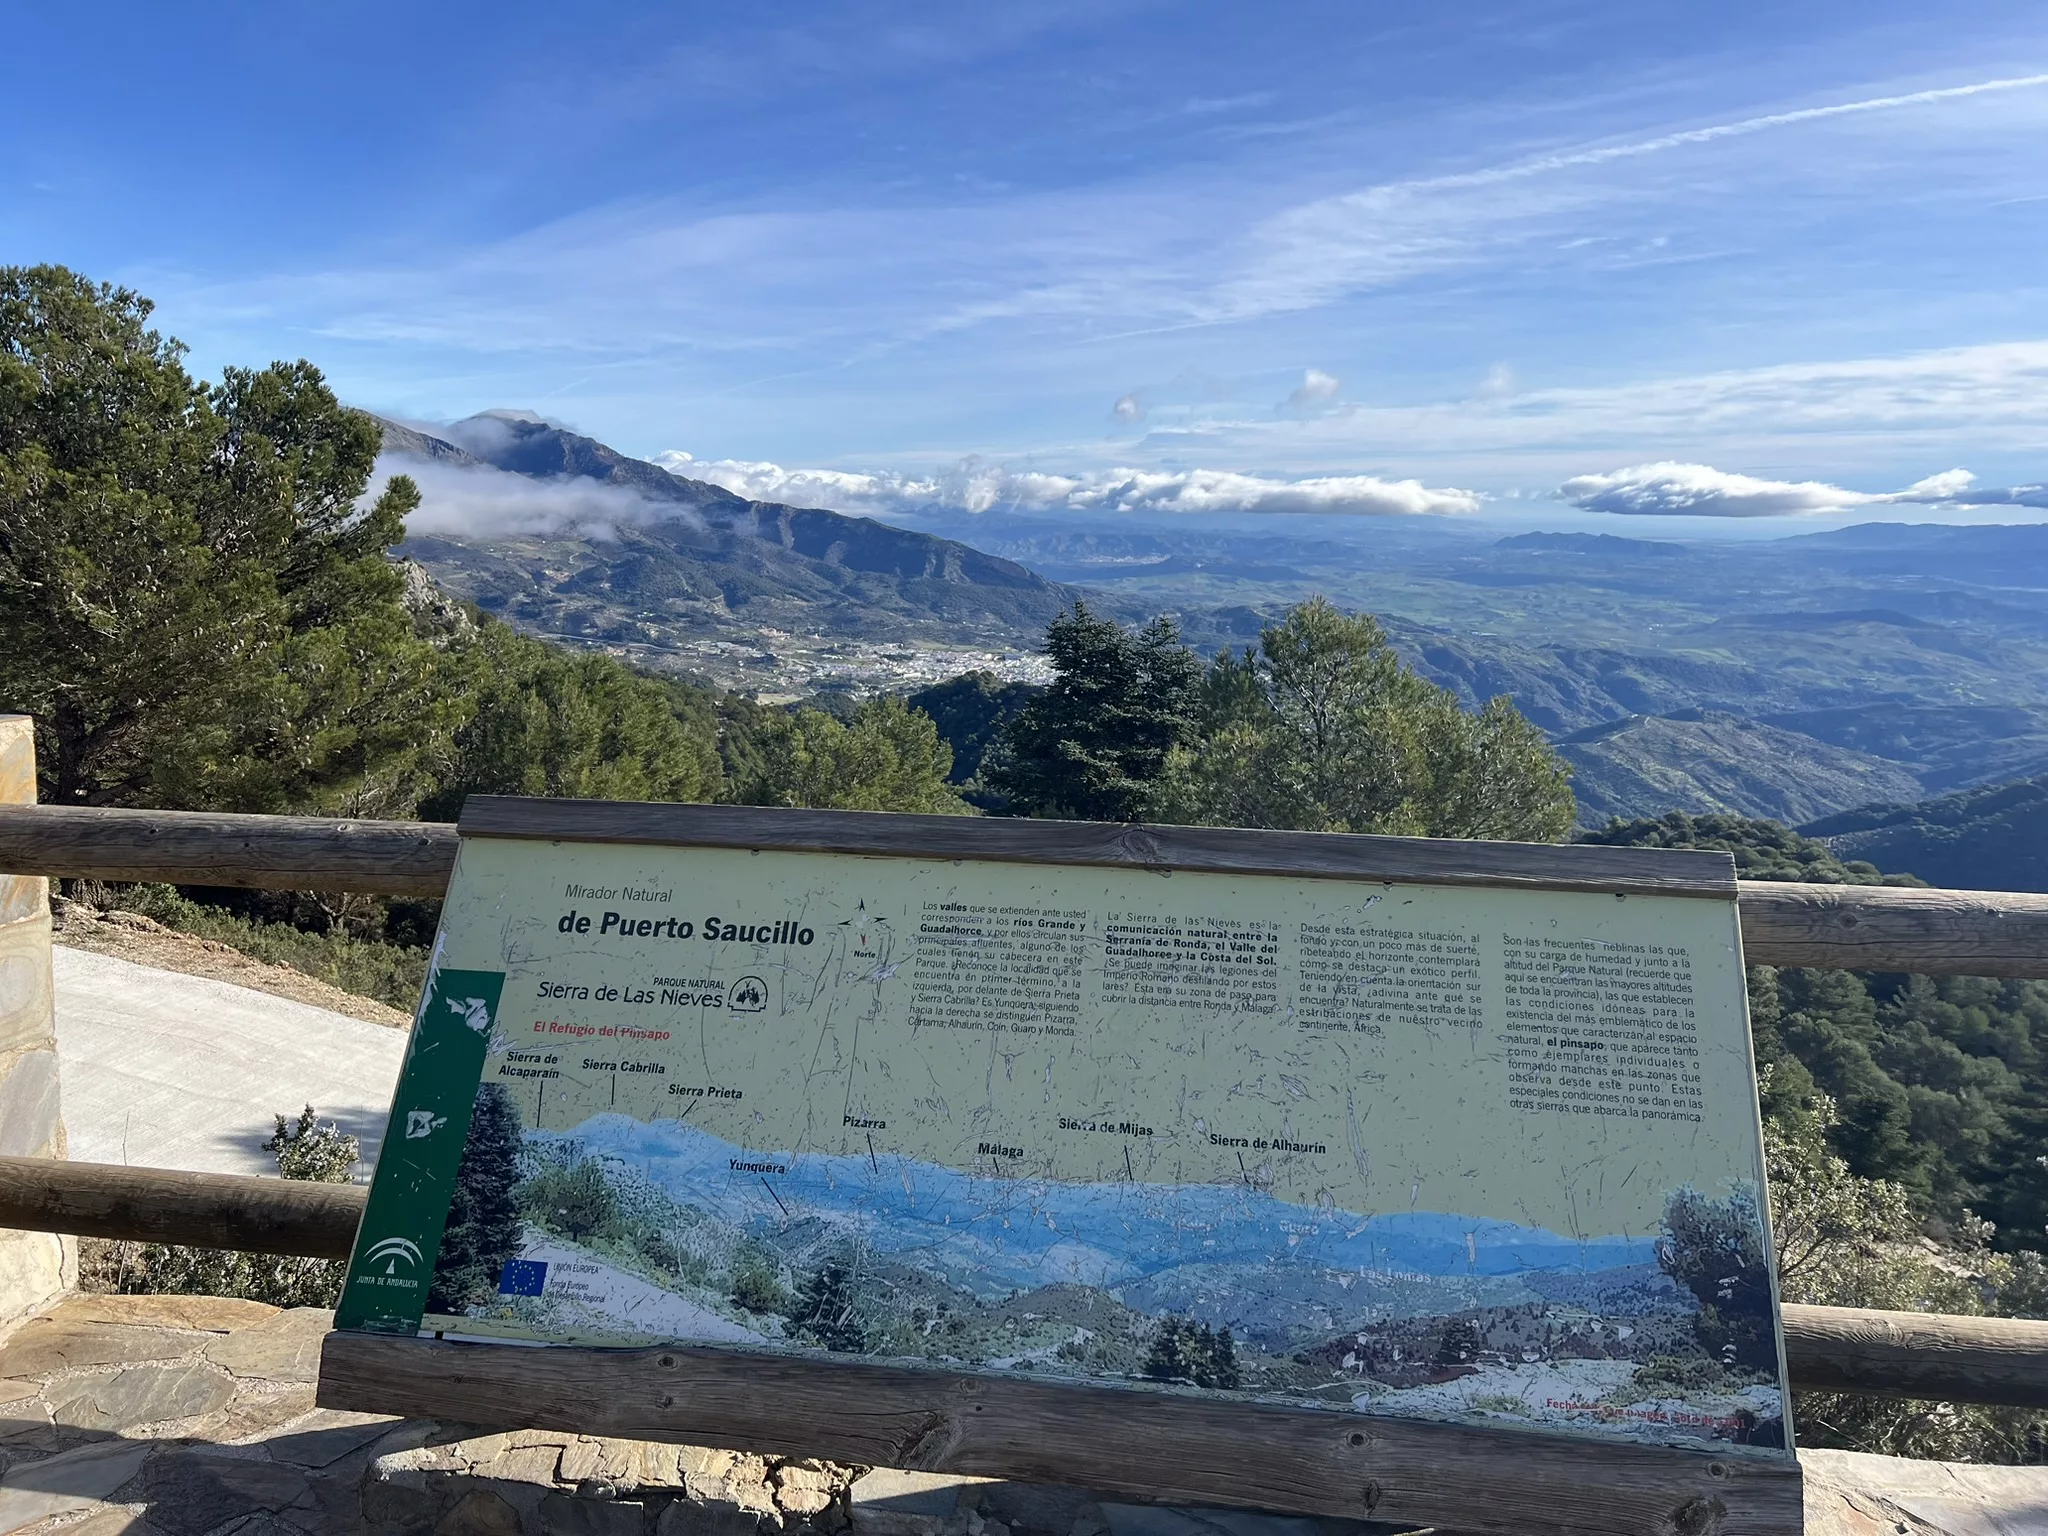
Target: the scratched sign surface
pixel 1457 1153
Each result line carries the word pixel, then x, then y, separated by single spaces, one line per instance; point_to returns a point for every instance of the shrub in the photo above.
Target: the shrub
pixel 304 1149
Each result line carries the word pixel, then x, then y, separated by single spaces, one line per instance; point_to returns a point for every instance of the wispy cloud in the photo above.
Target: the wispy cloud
pixel 973 486
pixel 1312 254
pixel 662 276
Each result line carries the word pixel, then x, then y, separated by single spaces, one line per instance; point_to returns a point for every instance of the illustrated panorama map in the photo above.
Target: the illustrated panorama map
pixel 1469 1154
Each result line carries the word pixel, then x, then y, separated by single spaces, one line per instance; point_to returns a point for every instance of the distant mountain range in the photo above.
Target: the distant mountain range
pixel 1794 678
pixel 1000 1232
pixel 668 557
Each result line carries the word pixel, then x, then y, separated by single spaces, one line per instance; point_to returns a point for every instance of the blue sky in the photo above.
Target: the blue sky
pixel 1493 248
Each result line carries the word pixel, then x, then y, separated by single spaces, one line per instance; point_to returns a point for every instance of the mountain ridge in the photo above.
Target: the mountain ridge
pixel 691 557
pixel 1994 837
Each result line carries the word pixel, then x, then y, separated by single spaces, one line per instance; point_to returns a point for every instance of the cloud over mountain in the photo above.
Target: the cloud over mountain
pixel 1670 489
pixel 482 502
pixel 976 486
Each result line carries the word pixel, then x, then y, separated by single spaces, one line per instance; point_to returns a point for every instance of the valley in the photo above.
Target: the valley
pixel 1795 678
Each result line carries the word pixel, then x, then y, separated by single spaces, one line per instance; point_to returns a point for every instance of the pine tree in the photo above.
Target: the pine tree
pixel 1093 744
pixel 1168 1359
pixel 1185 1350
pixel 886 757
pixel 483 1217
pixel 1322 727
pixel 306 1149
pixel 1715 1249
pixel 824 1309
pixel 193 586
pixel 1222 1373
pixel 1460 1343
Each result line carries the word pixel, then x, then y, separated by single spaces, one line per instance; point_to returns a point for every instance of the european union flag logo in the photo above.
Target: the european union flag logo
pixel 523 1277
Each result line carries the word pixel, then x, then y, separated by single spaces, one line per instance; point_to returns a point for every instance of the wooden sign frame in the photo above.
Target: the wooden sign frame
pixel 1150 1444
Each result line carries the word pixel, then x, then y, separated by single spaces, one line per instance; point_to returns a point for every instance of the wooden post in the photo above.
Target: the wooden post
pixel 34 1266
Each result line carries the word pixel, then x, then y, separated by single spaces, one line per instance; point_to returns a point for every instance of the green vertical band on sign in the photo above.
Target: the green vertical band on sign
pixel 392 1268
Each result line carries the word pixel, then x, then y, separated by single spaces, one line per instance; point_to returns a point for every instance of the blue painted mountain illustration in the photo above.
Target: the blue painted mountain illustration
pixel 992 1232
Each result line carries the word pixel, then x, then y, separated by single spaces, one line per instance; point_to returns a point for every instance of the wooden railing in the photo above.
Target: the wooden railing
pixel 1847 927
pixel 1894 1354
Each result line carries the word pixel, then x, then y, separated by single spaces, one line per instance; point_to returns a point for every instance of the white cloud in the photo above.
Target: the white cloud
pixel 477 501
pixel 1699 490
pixel 1316 388
pixel 1949 485
pixel 1128 408
pixel 976 486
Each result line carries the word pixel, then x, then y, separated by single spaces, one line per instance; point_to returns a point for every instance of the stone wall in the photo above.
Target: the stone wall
pixel 34 1266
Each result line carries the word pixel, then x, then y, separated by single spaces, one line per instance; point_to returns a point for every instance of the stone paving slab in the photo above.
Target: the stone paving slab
pixel 192 1416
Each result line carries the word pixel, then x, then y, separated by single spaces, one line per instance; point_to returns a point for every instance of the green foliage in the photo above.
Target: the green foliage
pixel 1322 727
pixel 825 1309
pixel 1093 745
pixel 1842 1240
pixel 757 1282
pixel 389 972
pixel 1763 850
pixel 1851 1242
pixel 576 1201
pixel 887 758
pixel 543 721
pixel 304 1149
pixel 1185 1350
pixel 1716 1250
pixel 198 606
pixel 972 711
pixel 1897 1112
pixel 668 1254
pixel 1940 1083
pixel 483 1214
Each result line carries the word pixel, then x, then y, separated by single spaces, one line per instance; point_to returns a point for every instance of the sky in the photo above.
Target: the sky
pixel 1741 266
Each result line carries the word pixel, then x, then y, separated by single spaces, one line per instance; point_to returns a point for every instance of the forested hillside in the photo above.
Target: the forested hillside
pixel 1906 1117
pixel 1700 758
pixel 1989 839
pixel 1941 1082
pixel 1887 663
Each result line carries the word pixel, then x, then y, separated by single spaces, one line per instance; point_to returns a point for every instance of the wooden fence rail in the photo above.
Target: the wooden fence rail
pixel 1839 1349
pixel 1885 928
pixel 199 1210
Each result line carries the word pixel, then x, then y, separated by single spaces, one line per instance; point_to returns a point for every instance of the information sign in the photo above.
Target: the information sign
pixel 1480 1147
